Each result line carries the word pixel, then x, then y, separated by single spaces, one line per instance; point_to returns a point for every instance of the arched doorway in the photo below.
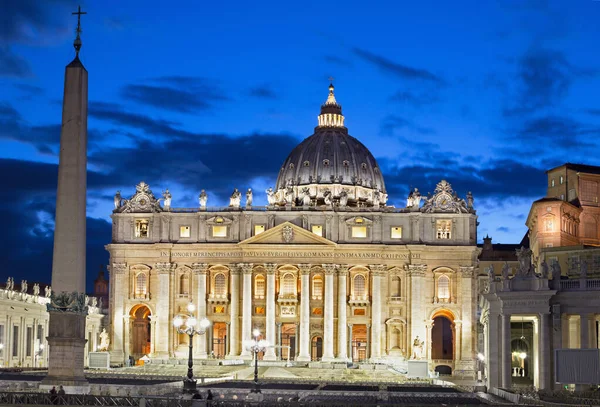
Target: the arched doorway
pixel 359 342
pixel 442 336
pixel 140 331
pixel 317 348
pixel 519 358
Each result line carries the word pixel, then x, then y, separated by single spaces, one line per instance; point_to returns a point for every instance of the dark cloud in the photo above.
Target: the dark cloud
pixel 391 123
pixel 499 179
pixel 25 21
pixel 543 80
pixel 547 132
pixel 595 112
pixel 13 127
pixel 503 229
pixel 28 90
pixel 263 92
pixel 13 65
pixel 417 98
pixel 27 200
pixel 176 93
pixel 396 69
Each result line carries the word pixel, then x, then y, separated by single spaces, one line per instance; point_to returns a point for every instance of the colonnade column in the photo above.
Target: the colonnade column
pixel 270 325
pixel 152 335
pixel 234 309
pixel 350 350
pixel 584 331
pixel 342 328
pixel 458 338
pixel 544 352
pixel 163 311
pixel 506 354
pixel 200 270
pixel 246 307
pixel 328 314
pixel 119 285
pixel 304 345
pixel 428 342
pixel 376 273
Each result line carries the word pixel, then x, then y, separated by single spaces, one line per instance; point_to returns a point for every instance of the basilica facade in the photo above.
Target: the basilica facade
pixel 327 271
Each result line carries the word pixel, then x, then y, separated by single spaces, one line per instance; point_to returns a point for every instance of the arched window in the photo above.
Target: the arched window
pixel 259 286
pixel 220 285
pixel 184 284
pixel 288 285
pixel 359 285
pixel 317 287
pixel 443 288
pixel 396 287
pixel 141 285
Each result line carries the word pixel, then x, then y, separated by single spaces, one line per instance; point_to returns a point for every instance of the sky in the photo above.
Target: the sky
pixel 214 95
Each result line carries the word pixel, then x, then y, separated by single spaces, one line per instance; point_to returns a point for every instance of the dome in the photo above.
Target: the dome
pixel 332 166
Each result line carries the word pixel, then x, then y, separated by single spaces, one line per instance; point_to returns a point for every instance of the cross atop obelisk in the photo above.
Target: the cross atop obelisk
pixel 77 42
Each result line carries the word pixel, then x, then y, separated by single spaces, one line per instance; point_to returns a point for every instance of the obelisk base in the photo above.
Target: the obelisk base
pixel 66 342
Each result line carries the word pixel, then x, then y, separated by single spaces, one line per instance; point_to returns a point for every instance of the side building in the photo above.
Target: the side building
pixel 326 271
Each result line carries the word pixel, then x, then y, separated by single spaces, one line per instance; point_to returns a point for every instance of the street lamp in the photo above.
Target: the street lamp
pixel 255 346
pixel 189 325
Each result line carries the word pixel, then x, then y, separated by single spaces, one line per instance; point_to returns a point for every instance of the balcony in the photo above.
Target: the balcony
pixel 287 299
pixel 218 298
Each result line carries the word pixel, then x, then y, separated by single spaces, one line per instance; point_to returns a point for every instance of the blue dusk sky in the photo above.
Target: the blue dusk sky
pixel 198 95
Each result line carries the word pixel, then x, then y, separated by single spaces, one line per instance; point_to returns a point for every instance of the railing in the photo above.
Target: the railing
pixel 286 208
pixel 575 285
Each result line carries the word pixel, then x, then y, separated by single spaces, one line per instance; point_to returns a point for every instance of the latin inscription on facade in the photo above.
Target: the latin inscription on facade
pixel 282 254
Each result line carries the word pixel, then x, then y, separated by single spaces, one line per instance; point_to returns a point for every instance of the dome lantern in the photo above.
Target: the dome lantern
pixel 331 112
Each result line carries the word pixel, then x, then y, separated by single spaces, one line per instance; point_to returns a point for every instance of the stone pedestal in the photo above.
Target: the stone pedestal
pixel 66 341
pixel 418 368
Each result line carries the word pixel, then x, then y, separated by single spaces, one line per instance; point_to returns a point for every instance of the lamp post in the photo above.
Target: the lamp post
pixel 255 346
pixel 189 325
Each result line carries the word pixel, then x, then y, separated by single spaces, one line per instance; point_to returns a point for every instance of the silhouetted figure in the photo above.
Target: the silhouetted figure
pixel 209 395
pixel 53 396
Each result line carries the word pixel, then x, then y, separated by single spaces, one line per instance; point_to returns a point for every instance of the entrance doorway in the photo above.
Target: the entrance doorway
pixel 442 338
pixel 317 348
pixel 219 342
pixel 359 343
pixel 140 331
pixel 288 338
pixel 520 358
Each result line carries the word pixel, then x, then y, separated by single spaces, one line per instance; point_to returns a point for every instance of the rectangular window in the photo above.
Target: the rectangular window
pixel 29 342
pixel 185 231
pixel 443 229
pixel 259 310
pixel 359 231
pixel 219 310
pixel 396 232
pixel 317 311
pixel 258 229
pixel 552 183
pixel 317 230
pixel 219 231
pixel 359 312
pixel 142 228
pixel 15 344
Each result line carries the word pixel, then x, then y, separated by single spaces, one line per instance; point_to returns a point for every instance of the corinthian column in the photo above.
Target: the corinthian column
pixel 342 329
pixel 304 346
pixel 270 268
pixel 200 270
pixel 163 311
pixel 246 307
pixel 377 274
pixel 328 314
pixel 234 312
pixel 120 285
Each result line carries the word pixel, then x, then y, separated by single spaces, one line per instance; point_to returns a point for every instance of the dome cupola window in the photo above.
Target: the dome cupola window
pixel 307 163
pixel 326 163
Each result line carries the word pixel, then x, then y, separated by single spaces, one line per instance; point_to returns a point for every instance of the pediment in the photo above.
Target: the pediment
pixel 288 233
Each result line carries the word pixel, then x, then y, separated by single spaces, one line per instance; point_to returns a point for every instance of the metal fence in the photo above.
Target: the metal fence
pixel 46 399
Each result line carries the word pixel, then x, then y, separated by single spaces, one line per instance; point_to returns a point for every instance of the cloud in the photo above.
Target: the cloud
pixel 547 132
pixel 544 78
pixel 13 65
pixel 263 92
pixel 503 229
pixel 176 93
pixel 393 122
pixel 398 70
pixel 595 112
pixel 29 91
pixel 417 99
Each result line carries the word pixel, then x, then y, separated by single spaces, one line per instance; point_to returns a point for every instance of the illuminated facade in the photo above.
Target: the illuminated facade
pixel 326 271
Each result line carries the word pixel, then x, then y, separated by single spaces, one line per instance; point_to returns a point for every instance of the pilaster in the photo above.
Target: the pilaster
pixel 200 270
pixel 246 307
pixel 377 272
pixel 328 313
pixel 165 271
pixel 234 309
pixel 342 318
pixel 270 308
pixel 304 345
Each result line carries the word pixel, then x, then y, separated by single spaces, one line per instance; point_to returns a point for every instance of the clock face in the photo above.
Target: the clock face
pixel 443 201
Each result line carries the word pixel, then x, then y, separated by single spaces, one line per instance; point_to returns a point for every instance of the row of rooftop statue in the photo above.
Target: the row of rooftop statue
pixel 444 199
pixel 526 270
pixel 10 286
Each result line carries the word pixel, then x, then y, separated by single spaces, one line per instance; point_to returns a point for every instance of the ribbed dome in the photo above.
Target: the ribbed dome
pixel 332 157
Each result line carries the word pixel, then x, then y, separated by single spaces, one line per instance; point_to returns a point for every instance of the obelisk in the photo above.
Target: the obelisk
pixel 66 336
